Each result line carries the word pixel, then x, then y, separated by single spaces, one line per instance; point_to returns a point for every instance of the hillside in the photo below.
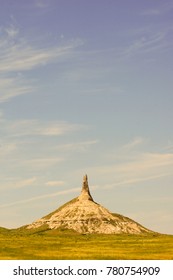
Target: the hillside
pixel 3 230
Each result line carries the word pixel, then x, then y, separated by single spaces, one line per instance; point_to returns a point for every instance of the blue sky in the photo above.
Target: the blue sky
pixel 86 87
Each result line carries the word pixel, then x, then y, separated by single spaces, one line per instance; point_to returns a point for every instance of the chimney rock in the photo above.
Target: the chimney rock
pixel 85 193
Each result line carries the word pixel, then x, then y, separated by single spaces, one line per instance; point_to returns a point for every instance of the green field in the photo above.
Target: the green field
pixel 22 244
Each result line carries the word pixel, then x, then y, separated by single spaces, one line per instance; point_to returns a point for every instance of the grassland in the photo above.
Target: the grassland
pixel 46 244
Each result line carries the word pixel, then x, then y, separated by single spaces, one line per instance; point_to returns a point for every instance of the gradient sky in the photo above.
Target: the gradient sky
pixel 86 87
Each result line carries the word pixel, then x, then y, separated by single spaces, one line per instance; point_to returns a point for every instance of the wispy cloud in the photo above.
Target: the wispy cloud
pixel 78 146
pixel 18 128
pixel 73 190
pixel 135 180
pixel 12 87
pixel 13 184
pixel 12 31
pixel 23 56
pixel 41 162
pixel 58 128
pixel 55 183
pixel 17 54
pixel 144 163
pixel 146 44
pixel 134 143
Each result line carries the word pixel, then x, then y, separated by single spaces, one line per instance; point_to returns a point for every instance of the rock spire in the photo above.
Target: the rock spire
pixel 85 193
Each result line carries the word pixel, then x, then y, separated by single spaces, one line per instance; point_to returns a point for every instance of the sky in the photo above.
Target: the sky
pixel 86 88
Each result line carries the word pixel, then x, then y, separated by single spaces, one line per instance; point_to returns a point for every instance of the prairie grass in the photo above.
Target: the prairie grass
pixel 22 244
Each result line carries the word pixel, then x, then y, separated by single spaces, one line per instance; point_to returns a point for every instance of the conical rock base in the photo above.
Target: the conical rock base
pixel 83 215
